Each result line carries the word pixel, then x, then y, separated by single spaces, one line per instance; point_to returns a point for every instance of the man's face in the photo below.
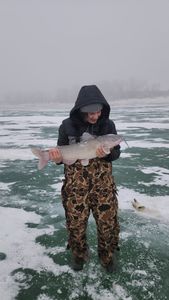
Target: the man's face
pixel 92 117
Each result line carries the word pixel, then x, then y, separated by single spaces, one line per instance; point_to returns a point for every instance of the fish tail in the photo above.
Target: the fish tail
pixel 42 163
pixel 43 157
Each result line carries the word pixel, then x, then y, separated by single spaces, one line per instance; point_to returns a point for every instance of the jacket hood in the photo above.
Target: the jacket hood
pixel 89 94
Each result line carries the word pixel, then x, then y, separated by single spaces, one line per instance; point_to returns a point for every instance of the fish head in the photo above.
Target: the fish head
pixel 109 141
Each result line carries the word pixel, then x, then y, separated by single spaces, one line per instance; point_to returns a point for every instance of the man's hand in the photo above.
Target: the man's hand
pixel 100 152
pixel 55 155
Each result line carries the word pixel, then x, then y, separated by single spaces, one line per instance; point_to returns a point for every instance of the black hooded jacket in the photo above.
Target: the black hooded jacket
pixel 73 127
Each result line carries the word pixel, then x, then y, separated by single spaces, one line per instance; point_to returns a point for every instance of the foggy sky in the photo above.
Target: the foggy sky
pixel 46 45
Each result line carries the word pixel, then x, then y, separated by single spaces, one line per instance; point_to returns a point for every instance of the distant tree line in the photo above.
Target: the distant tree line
pixel 119 89
pixel 114 90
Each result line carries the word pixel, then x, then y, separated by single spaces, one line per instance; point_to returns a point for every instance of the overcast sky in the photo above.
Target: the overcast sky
pixel 46 45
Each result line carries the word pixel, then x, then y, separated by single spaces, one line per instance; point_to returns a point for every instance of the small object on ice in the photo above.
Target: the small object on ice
pixel 138 206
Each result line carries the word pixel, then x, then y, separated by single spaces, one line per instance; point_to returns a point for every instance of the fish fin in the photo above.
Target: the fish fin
pixel 68 162
pixel 106 149
pixel 84 162
pixel 86 137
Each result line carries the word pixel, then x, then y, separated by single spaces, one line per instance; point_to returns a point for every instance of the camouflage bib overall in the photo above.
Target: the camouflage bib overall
pixel 85 189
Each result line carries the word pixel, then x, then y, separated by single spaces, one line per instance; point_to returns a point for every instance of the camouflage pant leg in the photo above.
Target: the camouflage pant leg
pixel 105 214
pixel 104 205
pixel 75 202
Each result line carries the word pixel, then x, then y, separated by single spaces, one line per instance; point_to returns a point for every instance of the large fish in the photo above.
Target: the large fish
pixel 84 150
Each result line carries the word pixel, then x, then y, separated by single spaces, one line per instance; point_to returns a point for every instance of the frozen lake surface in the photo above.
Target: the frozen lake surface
pixel 34 262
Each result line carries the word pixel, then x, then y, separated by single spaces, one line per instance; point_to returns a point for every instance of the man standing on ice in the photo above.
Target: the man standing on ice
pixel 92 187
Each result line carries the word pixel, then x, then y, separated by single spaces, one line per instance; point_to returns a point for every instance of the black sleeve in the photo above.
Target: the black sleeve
pixel 115 152
pixel 62 136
